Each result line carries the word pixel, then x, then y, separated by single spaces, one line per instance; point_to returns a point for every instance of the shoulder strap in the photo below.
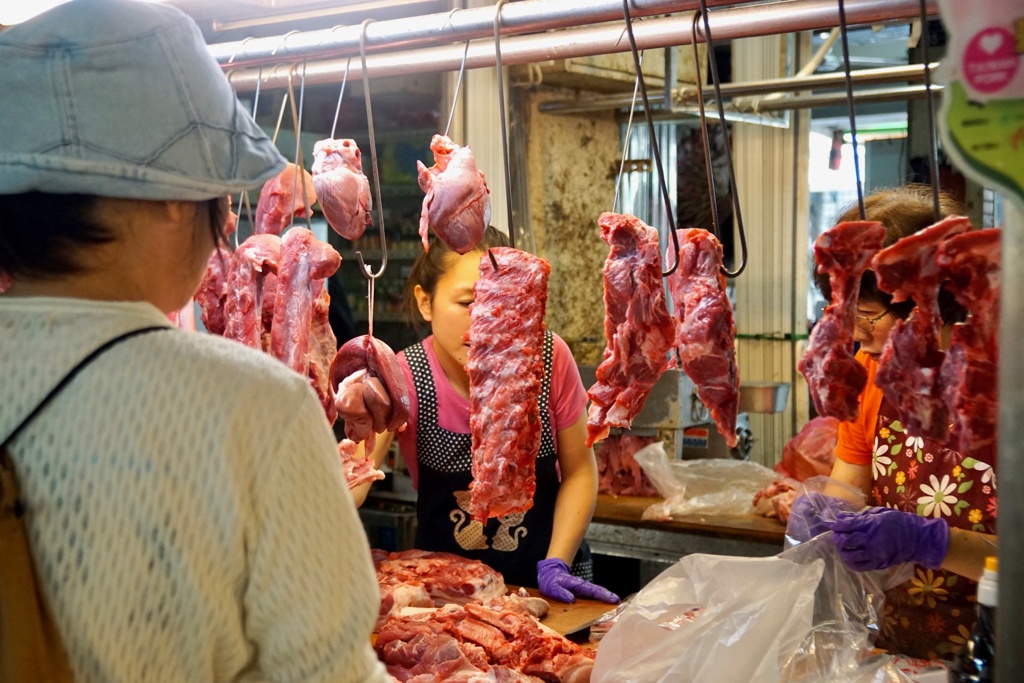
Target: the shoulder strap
pixel 73 373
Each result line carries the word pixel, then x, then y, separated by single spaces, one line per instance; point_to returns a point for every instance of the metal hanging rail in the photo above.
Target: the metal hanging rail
pixel 528 16
pixel 729 23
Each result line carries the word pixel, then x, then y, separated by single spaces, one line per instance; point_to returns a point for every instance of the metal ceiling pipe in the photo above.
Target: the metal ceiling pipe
pixel 895 74
pixel 912 92
pixel 528 16
pixel 727 24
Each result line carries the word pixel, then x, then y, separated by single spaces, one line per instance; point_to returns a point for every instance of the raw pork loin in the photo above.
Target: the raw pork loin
pixel 971 262
pixel 341 187
pixel 370 388
pixel 834 376
pixel 458 202
pixel 254 258
pixel 283 198
pixel 909 371
pixel 637 325
pixel 705 330
pixel 506 367
pixel 213 291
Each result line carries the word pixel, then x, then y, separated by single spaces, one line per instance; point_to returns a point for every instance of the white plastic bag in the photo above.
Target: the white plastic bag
pixel 708 486
pixel 712 618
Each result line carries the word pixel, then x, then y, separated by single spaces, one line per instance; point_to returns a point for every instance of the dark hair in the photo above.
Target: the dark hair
pixel 433 264
pixel 903 211
pixel 41 234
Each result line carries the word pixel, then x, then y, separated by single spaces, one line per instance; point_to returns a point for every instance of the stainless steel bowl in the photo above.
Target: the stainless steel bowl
pixel 763 397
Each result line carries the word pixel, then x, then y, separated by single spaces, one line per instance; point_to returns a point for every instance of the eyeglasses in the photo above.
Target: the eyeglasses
pixel 868 324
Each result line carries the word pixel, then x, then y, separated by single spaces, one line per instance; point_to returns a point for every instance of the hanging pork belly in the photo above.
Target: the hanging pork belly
pixel 637 325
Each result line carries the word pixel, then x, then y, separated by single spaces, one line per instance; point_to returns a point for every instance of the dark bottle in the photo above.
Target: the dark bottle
pixel 976 661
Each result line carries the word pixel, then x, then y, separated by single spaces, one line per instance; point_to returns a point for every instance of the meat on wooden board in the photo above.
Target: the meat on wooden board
pixel 909 370
pixel 283 198
pixel 341 187
pixel 505 368
pixel 971 264
pixel 705 329
pixel 458 203
pixel 637 325
pixel 834 377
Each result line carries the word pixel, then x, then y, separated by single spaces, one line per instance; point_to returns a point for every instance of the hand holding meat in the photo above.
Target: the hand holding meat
pixel 555 581
pixel 880 537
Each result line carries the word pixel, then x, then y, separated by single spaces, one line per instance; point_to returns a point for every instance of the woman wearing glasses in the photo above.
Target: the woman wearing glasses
pixel 932 506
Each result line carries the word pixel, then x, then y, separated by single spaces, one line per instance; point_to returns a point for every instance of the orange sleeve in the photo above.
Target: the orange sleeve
pixel 857 437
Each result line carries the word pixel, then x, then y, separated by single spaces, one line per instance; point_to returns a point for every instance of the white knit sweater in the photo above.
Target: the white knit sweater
pixel 187 510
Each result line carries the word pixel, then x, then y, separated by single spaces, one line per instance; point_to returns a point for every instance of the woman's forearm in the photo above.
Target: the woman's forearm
pixel 967 552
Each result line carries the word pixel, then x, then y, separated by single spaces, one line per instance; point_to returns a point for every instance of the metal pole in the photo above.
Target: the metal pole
pixel 727 24
pixel 1009 622
pixel 893 74
pixel 528 16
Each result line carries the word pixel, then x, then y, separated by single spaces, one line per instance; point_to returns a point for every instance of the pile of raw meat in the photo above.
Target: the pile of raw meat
pixel 931 389
pixel 808 454
pixel 467 628
pixel 270 295
pixel 640 330
pixel 619 474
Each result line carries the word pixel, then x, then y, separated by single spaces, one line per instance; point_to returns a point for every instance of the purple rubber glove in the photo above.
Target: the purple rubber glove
pixel 880 537
pixel 813 514
pixel 555 581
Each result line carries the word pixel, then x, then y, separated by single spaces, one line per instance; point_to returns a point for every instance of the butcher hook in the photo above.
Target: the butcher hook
pixel 243 196
pixel 298 179
pixel 337 109
pixel 933 149
pixel 458 86
pixel 653 135
pixel 363 268
pixel 712 194
pixel 850 107
pixel 504 132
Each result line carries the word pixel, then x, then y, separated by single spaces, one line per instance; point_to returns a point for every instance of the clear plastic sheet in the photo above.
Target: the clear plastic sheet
pixel 710 486
pixel 825 496
pixel 799 617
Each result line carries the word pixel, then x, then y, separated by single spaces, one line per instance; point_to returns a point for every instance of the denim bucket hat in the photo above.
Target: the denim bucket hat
pixel 120 98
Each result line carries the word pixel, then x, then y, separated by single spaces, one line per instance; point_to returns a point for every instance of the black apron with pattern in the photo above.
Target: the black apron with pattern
pixel 931 615
pixel 512 544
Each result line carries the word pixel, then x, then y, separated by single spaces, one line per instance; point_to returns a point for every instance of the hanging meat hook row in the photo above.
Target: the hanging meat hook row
pixel 716 84
pixel 850 107
pixel 653 137
pixel 933 139
pixel 298 178
pixel 504 132
pixel 341 93
pixel 243 196
pixel 363 268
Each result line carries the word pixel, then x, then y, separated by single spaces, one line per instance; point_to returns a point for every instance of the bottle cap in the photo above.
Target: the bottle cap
pixel 991 564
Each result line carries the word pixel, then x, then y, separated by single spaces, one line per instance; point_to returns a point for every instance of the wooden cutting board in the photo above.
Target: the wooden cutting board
pixel 567 618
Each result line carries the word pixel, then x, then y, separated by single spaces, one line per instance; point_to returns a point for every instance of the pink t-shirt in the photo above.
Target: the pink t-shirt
pixel 567 401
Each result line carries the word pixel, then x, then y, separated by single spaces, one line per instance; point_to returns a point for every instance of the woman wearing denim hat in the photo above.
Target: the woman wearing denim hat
pixel 188 516
pixel 933 507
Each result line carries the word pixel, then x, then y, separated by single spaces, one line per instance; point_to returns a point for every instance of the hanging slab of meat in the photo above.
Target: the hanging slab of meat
pixel 283 198
pixel 506 367
pixel 358 469
pixel 370 388
pixel 304 259
pixel 971 264
pixel 834 377
pixel 458 202
pixel 341 187
pixel 254 258
pixel 213 290
pixel 637 325
pixel 322 347
pixel 705 329
pixel 909 370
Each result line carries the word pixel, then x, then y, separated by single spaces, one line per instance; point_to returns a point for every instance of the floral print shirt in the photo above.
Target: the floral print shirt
pixel 931 615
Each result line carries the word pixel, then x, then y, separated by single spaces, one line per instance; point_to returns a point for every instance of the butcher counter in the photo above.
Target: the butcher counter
pixel 618 530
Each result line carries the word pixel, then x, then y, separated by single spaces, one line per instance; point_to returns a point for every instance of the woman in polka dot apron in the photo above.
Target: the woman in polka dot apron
pixel 544 546
pixel 933 506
